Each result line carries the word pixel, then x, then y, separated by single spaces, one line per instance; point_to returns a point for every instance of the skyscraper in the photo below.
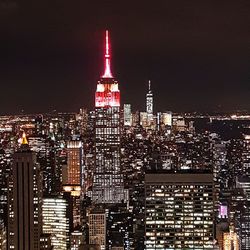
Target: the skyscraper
pixel 108 179
pixel 127 115
pixel 179 210
pixel 55 221
pixel 3 241
pixel 149 100
pixel 24 200
pixel 97 227
pixel 74 163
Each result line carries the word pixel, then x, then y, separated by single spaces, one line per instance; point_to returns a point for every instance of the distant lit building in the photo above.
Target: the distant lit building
pixel 127 115
pixel 219 160
pixel 221 228
pixel 230 241
pixel 24 200
pixel 179 124
pixel 74 163
pixel 120 230
pixel 244 226
pixel 76 239
pixel 167 118
pixel 149 100
pixel 144 119
pixel 74 178
pixel 243 182
pixel 164 120
pixel 3 236
pixel 179 210
pixel 97 227
pixel 82 119
pixel 55 221
pixel 135 119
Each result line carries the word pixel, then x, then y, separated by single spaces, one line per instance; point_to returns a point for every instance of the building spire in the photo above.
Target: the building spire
pixel 24 139
pixel 107 70
pixel 149 86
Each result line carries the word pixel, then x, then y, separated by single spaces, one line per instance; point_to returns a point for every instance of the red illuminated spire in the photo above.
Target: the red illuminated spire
pixel 107 72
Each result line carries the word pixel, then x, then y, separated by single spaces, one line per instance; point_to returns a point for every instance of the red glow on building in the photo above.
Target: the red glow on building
pixel 107 92
pixel 107 72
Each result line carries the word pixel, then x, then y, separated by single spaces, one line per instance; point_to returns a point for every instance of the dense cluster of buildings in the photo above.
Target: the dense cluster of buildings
pixel 122 180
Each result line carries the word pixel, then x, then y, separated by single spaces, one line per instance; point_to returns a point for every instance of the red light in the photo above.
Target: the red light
pixel 106 95
pixel 107 71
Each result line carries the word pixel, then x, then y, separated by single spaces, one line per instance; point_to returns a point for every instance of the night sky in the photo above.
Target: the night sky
pixel 196 53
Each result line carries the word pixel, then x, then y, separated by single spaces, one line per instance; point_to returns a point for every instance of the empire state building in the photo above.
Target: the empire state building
pixel 108 180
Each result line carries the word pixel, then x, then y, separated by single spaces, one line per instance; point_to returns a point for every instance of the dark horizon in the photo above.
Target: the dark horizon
pixel 196 54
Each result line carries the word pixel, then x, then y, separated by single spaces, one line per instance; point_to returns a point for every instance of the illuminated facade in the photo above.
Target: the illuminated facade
pixel 179 211
pixel 144 119
pixel 74 177
pixel 108 180
pixel 74 163
pixel 127 115
pixel 24 200
pixel 244 225
pixel 164 121
pixel 3 237
pixel 167 118
pixel 55 221
pixel 149 100
pixel 97 228
pixel 230 241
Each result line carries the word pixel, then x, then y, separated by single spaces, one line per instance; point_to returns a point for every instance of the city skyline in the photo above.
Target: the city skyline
pixel 127 126
pixel 115 179
pixel 195 55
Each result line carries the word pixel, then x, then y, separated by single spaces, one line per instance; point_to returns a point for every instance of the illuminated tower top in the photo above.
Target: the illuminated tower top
pixel 149 99
pixel 107 70
pixel 107 92
pixel 24 139
pixel 149 86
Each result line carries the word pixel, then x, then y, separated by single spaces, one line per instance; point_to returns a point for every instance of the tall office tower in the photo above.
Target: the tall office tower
pixel 74 177
pixel 56 222
pixel 82 119
pixel 242 217
pixel 219 160
pixel 167 118
pixel 179 210
pixel 243 182
pixel 135 119
pixel 74 163
pixel 158 121
pixel 164 121
pixel 5 163
pixel 120 228
pixel 108 184
pixel 127 115
pixel 144 119
pixel 149 100
pixel 97 227
pixel 24 200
